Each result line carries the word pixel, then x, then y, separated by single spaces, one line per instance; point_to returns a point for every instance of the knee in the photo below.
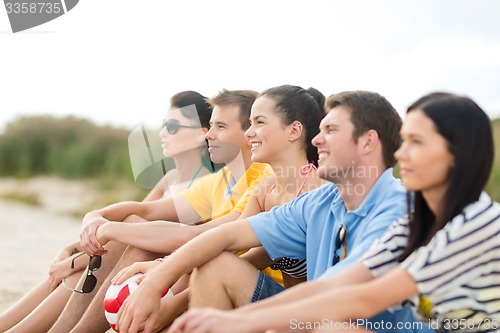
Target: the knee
pixel 217 267
pixel 137 254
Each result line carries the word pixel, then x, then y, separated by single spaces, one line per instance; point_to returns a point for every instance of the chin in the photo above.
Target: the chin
pixel 257 159
pixel 166 153
pixel 216 159
pixel 411 187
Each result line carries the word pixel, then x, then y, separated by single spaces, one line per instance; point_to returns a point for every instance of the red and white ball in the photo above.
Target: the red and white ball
pixel 116 295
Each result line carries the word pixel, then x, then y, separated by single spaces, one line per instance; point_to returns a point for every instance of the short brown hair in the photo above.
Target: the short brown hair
pixel 243 98
pixel 370 110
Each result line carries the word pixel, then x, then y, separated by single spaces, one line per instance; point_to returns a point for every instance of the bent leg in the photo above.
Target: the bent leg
pixel 78 303
pixel 225 282
pixel 93 320
pixel 42 318
pixel 24 306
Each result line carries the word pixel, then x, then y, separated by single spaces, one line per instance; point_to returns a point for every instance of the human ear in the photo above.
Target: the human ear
pixel 296 129
pixel 370 140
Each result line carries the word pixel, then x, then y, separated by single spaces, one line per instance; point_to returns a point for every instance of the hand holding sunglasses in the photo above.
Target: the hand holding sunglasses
pixel 90 280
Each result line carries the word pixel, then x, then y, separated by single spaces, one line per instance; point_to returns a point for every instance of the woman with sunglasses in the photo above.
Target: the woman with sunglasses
pixel 182 137
pixel 442 257
pixel 284 120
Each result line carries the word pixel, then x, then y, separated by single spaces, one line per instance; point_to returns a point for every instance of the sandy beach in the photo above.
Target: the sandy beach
pixel 31 236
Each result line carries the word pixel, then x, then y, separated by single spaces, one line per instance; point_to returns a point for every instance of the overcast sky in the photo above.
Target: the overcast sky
pixel 118 61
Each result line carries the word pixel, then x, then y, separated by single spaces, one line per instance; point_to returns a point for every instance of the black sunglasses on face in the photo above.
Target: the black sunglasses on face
pixel 339 240
pixel 173 125
pixel 90 280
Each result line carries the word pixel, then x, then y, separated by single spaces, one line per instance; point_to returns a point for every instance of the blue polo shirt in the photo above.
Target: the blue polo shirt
pixel 307 226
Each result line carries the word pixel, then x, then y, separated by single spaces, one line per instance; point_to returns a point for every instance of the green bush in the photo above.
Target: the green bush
pixel 69 147
pixel 77 148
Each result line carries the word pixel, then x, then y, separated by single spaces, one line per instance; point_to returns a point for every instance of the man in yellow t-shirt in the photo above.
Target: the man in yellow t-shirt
pixel 221 196
pixel 217 195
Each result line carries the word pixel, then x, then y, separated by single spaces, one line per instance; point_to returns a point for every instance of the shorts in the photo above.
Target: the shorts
pixel 265 288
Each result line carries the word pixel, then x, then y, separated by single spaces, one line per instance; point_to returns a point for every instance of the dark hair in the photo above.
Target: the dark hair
pixel 306 106
pixel 243 98
pixel 370 110
pixel 201 111
pixel 467 130
pixel 186 98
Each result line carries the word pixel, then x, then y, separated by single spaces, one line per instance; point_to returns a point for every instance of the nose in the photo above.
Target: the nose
pixel 210 134
pixel 317 140
pixel 163 132
pixel 401 153
pixel 250 133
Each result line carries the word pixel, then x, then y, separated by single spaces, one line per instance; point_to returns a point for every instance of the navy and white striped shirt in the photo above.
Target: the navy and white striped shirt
pixel 457 273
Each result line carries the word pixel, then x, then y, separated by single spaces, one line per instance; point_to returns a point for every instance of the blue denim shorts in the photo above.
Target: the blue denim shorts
pixel 265 287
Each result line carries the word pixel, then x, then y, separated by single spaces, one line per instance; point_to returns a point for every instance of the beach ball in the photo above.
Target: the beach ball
pixel 117 294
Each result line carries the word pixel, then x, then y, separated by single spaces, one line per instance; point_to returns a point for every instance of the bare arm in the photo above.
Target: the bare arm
pixel 145 301
pixel 61 266
pixel 163 209
pixel 351 294
pixel 354 300
pixel 258 257
pixel 170 209
pixel 355 274
pixel 230 237
pixel 157 236
pixel 164 236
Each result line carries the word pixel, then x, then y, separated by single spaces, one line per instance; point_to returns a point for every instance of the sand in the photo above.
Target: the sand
pixel 31 236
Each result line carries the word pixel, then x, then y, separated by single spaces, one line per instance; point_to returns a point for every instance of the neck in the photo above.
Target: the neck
pixel 287 171
pixel 355 185
pixel 435 199
pixel 187 164
pixel 240 164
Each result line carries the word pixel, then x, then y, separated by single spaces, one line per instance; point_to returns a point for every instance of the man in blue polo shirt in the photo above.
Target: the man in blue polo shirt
pixel 331 227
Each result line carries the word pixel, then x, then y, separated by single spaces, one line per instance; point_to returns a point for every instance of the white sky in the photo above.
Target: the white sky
pixel 118 61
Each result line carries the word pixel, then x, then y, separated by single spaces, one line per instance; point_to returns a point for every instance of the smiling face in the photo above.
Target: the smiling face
pixel 336 147
pixel 267 134
pixel 424 157
pixel 185 138
pixel 225 138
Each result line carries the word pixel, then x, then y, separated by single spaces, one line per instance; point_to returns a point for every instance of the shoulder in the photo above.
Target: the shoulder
pixel 325 195
pixel 264 186
pixel 388 195
pixel 171 176
pixel 478 218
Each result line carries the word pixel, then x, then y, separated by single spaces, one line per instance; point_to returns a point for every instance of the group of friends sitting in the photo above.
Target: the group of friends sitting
pixel 305 228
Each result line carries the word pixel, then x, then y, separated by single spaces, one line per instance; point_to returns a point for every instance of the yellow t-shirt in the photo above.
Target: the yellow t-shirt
pixel 210 198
